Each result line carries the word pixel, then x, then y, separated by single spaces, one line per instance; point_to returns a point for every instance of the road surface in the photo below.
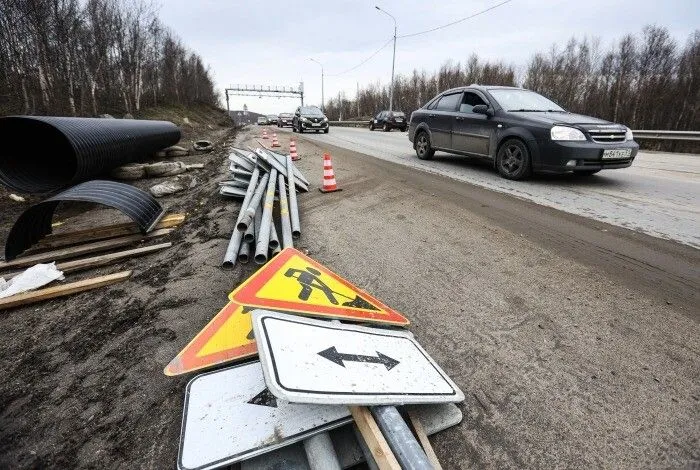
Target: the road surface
pixel 659 195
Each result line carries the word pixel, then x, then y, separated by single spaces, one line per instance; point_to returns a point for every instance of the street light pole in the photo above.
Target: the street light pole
pixel 322 100
pixel 393 61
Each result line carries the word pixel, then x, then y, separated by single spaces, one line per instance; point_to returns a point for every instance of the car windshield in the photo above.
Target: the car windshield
pixel 524 100
pixel 272 116
pixel 286 115
pixel 311 111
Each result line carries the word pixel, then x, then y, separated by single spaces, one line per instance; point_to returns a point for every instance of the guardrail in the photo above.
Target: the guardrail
pixel 667 135
pixel 640 134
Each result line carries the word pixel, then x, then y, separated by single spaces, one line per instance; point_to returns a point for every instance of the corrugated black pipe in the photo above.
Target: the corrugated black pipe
pixel 42 154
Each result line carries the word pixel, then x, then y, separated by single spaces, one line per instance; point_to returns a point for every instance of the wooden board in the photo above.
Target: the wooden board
pixel 75 251
pixel 59 240
pixel 424 441
pixel 102 260
pixel 374 438
pixel 39 295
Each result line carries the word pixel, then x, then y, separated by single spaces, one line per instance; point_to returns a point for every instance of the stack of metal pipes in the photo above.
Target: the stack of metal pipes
pixel 263 179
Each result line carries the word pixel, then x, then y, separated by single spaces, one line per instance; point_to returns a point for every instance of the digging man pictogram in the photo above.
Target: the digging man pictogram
pixel 309 278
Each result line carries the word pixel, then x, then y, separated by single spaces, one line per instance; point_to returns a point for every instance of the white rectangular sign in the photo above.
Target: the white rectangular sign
pixel 229 415
pixel 316 361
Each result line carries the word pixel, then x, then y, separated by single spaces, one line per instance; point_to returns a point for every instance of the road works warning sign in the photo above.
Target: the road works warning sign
pixel 227 337
pixel 294 282
pixel 315 361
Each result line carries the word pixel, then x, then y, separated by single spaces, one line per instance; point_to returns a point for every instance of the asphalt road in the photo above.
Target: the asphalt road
pixel 575 341
pixel 659 195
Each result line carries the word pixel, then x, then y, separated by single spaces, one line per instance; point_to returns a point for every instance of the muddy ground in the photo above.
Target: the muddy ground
pixel 564 363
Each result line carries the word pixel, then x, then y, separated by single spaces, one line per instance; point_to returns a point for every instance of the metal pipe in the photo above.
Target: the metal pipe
pixel 234 245
pixel 249 211
pixel 256 224
pixel 282 159
pixel 369 458
pixel 272 161
pixel 244 253
pixel 274 239
pixel 406 448
pixel 293 207
pixel 320 452
pixel 263 240
pixel 251 231
pixel 287 241
pixel 275 252
pixel 239 172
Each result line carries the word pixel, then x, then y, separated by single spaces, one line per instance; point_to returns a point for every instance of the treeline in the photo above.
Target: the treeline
pixel 88 57
pixel 648 81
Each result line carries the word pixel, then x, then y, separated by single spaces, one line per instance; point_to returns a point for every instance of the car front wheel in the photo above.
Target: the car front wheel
pixel 513 160
pixel 386 127
pixel 423 148
pixel 325 131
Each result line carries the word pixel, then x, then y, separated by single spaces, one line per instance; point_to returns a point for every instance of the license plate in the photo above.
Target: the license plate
pixel 616 154
pixel 399 119
pixel 315 124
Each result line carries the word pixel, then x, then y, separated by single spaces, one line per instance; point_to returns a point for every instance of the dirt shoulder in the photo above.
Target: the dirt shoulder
pixel 563 364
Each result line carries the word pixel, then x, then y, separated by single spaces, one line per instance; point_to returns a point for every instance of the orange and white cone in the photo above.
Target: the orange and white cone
pixel 329 184
pixel 275 142
pixel 264 136
pixel 293 150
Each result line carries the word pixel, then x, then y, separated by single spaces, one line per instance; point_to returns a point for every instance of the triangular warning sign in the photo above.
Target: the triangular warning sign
pixel 294 282
pixel 227 337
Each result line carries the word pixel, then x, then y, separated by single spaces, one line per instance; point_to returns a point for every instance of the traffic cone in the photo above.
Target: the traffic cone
pixel 264 134
pixel 293 150
pixel 329 184
pixel 275 142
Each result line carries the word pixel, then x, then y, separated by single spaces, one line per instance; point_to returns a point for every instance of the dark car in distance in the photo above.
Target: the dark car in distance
pixel 388 120
pixel 285 120
pixel 520 131
pixel 309 118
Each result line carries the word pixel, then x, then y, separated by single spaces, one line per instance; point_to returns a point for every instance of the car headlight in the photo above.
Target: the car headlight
pixel 566 133
pixel 628 134
pixel 325 119
pixel 303 119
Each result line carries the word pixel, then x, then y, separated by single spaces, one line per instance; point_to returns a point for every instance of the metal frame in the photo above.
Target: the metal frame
pixel 267 91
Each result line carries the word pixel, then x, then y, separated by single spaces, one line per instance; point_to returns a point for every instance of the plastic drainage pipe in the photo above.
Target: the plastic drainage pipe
pixel 66 150
pixel 262 244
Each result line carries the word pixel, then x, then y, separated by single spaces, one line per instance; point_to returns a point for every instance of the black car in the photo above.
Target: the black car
pixel 520 131
pixel 309 118
pixel 388 120
pixel 285 119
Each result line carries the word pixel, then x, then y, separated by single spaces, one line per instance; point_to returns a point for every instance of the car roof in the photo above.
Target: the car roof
pixel 476 86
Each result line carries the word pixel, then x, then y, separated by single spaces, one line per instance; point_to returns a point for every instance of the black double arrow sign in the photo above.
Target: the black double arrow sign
pixel 333 355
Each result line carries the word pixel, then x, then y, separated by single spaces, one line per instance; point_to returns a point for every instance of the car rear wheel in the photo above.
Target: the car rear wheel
pixel 325 131
pixel 513 160
pixel 371 126
pixel 423 148
pixel 585 172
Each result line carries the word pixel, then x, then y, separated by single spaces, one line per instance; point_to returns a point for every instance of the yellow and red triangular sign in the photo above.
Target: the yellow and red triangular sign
pixel 227 337
pixel 294 282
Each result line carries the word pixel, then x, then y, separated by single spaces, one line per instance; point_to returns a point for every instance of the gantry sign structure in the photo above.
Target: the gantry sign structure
pixel 268 91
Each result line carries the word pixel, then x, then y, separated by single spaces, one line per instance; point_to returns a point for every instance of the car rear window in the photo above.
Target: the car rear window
pixel 449 102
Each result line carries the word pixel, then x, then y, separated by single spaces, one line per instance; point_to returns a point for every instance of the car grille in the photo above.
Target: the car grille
pixel 603 136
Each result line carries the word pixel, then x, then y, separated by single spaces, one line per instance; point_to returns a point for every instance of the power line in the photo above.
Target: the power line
pixel 364 61
pixel 454 22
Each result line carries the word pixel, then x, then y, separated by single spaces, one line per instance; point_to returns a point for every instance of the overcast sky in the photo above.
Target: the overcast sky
pixel 270 42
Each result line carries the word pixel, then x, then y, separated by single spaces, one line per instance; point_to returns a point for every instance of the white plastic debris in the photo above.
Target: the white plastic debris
pixel 32 278
pixel 16 198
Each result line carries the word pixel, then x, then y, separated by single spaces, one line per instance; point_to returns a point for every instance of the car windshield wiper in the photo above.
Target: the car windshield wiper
pixel 557 111
pixel 526 110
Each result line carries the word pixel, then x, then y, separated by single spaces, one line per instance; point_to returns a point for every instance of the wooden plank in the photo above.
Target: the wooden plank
pixel 102 260
pixel 75 251
pixel 26 298
pixel 424 441
pixel 59 240
pixel 383 456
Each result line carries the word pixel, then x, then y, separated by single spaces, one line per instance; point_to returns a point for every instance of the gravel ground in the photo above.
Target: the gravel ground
pixel 570 352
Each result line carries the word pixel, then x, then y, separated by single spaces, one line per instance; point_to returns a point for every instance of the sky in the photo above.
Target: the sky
pixel 270 42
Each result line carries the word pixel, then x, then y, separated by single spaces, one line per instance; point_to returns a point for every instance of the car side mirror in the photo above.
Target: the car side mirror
pixel 482 109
